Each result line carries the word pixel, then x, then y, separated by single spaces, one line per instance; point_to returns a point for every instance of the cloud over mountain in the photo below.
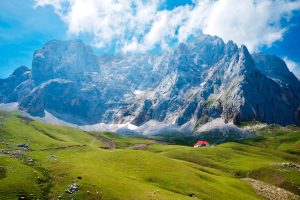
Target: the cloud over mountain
pixel 292 65
pixel 141 25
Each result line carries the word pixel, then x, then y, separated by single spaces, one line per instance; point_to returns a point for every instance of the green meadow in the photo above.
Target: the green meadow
pixel 110 166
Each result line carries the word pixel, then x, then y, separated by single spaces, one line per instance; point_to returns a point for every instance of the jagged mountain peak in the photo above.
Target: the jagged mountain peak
pixel 196 82
pixel 73 43
pixel 63 59
pixel 245 59
pixel 20 70
pixel 275 68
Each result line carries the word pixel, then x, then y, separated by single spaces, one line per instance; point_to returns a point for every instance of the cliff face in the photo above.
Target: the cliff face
pixel 193 84
pixel 63 59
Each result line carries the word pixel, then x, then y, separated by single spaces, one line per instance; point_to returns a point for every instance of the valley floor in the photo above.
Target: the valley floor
pixel 57 162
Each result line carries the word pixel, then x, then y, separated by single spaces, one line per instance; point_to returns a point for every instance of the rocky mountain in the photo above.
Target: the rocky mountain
pixel 195 83
pixel 63 59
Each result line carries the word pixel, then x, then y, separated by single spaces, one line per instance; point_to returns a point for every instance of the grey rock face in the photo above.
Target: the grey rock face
pixel 14 87
pixel 63 59
pixel 274 68
pixel 228 85
pixel 66 100
pixel 193 84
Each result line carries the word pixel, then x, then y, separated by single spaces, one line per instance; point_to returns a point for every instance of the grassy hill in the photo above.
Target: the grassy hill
pixel 109 166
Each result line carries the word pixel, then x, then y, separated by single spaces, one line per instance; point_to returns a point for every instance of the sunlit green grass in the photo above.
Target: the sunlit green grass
pixel 124 141
pixel 19 179
pixel 160 171
pixel 275 137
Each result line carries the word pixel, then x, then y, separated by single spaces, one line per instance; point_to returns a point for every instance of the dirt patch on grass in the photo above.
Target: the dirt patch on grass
pixel 271 192
pixel 109 144
pixel 61 148
pixel 279 176
pixel 139 146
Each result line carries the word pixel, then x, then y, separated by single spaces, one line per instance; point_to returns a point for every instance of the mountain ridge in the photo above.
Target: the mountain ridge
pixel 193 84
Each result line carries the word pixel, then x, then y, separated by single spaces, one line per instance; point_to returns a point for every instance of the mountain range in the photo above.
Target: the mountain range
pixel 190 85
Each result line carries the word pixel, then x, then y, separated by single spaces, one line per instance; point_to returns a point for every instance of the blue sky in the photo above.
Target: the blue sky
pixel 24 30
pixel 26 25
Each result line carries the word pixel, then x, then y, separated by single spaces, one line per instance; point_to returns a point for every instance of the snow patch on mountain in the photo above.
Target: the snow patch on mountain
pixel 51 119
pixel 14 106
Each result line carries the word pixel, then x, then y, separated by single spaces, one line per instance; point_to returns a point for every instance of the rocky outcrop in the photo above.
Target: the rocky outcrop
pixel 16 86
pixel 271 192
pixel 63 59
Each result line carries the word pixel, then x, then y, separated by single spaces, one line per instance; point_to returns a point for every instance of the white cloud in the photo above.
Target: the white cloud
pixel 140 25
pixel 292 65
pixel 253 23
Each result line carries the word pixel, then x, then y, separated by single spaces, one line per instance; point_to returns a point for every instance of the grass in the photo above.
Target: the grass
pixel 2 172
pixel 123 141
pixel 228 157
pixel 161 171
pixel 209 102
pixel 285 139
pixel 19 179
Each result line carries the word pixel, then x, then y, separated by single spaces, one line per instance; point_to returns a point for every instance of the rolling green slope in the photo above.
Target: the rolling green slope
pixel 285 139
pixel 109 166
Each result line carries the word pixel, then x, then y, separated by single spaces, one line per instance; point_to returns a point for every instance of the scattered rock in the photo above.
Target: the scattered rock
pixel 289 165
pixel 4 151
pixel 74 187
pixel 25 146
pixel 271 192
pixel 193 196
pixel 52 156
pixel 156 192
pixel 17 152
